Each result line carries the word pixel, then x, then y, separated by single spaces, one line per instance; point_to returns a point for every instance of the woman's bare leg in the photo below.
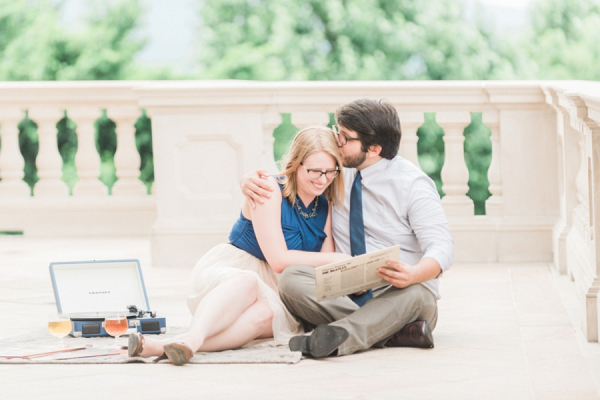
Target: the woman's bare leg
pixel 221 307
pixel 255 322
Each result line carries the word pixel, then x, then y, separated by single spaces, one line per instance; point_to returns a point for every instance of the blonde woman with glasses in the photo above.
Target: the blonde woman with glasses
pixel 234 292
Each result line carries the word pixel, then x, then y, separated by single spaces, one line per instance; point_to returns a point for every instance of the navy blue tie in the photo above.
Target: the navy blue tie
pixel 357 232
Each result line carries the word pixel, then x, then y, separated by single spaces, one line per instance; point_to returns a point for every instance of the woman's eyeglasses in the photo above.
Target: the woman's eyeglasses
pixel 316 173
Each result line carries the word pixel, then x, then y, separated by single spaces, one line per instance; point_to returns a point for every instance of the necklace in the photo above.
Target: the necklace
pixel 305 215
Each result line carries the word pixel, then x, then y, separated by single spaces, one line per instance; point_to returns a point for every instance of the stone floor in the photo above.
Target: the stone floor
pixel 506 331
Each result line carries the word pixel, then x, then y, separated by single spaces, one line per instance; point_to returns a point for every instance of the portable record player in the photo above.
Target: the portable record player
pixel 89 291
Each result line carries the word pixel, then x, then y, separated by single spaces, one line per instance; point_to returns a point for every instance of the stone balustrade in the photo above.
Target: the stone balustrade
pixel 207 134
pixel 576 251
pixel 90 211
pixel 544 172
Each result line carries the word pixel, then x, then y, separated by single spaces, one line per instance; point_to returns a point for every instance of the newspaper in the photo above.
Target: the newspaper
pixel 353 275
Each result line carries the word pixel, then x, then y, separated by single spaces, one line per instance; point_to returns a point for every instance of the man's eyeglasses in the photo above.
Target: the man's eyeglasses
pixel 341 138
pixel 316 174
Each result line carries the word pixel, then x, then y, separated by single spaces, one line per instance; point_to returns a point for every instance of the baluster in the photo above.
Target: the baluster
pixel 305 119
pixel 49 162
pixel 87 158
pixel 495 203
pixel 271 120
pixel 410 123
pixel 127 157
pixel 11 159
pixel 455 175
pixel 581 210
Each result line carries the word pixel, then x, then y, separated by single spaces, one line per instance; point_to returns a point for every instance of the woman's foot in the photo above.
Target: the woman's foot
pixel 135 344
pixel 178 353
pixel 144 346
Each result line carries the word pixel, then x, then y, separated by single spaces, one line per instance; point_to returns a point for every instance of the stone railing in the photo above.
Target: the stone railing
pixel 575 235
pixel 206 134
pixel 90 211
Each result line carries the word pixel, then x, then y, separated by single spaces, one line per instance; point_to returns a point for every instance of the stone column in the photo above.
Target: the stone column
pixel 455 175
pixel 87 158
pixel 49 162
pixel 11 159
pixel 127 157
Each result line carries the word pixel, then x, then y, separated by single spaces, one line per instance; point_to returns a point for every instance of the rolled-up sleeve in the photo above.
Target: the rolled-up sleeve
pixel 429 223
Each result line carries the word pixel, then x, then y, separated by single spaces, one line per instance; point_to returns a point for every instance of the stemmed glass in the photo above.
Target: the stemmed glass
pixel 59 325
pixel 115 326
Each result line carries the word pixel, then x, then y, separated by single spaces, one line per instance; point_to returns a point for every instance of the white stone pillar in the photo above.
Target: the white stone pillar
pixel 494 205
pixel 410 122
pixel 11 159
pixel 455 175
pixel 271 120
pixel 305 119
pixel 87 159
pixel 127 157
pixel 49 162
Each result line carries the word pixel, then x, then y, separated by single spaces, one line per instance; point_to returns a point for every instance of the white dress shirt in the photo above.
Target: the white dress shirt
pixel 401 206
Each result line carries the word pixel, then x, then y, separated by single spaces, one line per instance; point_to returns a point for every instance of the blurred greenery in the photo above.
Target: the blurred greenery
pixel 283 135
pixel 338 40
pixel 301 40
pixel 34 45
pixel 478 157
pixel 430 148
pixel 29 145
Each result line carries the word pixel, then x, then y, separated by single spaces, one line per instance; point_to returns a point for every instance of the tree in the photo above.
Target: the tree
pixel 34 46
pixel 345 40
pixel 564 39
pixel 37 47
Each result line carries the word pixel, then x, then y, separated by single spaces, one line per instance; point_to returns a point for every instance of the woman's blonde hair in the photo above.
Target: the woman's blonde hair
pixel 308 141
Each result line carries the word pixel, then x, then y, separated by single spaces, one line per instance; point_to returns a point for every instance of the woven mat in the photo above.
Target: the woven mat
pixel 43 340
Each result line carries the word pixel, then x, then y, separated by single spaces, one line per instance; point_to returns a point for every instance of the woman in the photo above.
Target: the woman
pixel 234 297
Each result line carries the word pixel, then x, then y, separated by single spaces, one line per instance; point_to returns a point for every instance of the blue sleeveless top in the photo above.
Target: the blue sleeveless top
pixel 299 233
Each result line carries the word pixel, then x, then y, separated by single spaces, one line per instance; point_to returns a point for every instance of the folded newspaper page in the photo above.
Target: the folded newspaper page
pixel 353 275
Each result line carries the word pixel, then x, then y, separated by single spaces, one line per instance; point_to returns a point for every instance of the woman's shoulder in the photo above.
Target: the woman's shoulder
pixel 273 183
pixel 275 187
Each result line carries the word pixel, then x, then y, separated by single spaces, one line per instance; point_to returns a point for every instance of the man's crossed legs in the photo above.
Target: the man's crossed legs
pixel 369 326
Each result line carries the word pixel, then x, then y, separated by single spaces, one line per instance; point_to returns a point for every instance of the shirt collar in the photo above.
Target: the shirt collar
pixel 370 173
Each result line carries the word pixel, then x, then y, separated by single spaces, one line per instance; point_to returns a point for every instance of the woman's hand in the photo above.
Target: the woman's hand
pixel 255 187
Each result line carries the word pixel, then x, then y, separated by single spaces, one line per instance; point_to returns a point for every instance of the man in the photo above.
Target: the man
pixel 401 206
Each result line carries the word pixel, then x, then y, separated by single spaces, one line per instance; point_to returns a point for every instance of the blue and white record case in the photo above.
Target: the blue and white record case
pixel 89 291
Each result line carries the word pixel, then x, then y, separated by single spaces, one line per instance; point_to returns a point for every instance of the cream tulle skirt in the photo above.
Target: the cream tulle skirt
pixel 225 261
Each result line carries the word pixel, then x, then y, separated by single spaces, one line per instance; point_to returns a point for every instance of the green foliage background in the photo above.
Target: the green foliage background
pixel 301 40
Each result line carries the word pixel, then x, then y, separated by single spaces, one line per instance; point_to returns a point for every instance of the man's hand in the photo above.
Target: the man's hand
pixel 255 188
pixel 398 274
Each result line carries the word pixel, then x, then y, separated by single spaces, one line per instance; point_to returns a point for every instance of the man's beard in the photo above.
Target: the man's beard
pixel 354 161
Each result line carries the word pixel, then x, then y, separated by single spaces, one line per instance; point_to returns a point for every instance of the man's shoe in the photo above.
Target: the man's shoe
pixel 323 341
pixel 415 334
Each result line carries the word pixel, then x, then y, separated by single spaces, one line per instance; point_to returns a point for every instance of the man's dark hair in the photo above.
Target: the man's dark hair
pixel 376 123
